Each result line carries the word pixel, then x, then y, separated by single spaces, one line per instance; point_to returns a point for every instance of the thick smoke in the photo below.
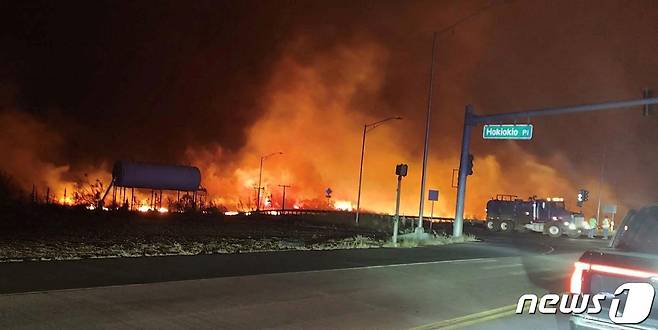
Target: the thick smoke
pixel 219 84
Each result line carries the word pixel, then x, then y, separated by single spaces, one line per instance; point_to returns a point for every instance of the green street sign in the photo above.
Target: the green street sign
pixel 507 132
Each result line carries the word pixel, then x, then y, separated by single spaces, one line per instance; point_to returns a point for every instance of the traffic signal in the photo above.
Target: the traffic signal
pixel 470 164
pixel 401 169
pixel 583 195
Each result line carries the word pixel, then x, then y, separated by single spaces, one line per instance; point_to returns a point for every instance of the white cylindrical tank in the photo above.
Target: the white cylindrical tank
pixel 154 176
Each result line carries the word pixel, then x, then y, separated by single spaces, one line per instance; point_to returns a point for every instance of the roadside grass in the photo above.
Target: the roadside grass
pixel 434 240
pixel 67 251
pixel 44 233
pixel 356 242
pixel 63 250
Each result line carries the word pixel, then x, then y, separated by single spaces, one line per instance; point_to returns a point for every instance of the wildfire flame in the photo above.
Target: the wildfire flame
pixel 309 110
pixel 343 205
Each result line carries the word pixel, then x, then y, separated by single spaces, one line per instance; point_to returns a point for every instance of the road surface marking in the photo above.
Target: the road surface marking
pixel 517 273
pixel 502 266
pixel 264 274
pixel 472 319
pixel 397 265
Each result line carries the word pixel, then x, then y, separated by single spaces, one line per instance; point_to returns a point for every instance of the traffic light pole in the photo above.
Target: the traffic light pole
pixel 458 224
pixel 396 219
pixel 471 119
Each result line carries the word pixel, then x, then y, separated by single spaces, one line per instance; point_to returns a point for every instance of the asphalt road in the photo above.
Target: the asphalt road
pixel 374 288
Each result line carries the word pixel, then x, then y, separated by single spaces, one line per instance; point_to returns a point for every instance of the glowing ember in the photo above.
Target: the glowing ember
pixel 163 210
pixel 343 205
pixel 231 213
pixel 144 208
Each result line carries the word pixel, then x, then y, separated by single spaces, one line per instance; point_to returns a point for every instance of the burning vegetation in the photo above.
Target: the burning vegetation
pixel 216 93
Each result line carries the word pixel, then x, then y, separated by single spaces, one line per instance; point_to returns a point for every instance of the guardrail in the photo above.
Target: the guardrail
pixel 339 212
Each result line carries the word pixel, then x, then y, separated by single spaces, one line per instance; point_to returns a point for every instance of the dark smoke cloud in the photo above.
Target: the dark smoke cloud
pixel 179 81
pixel 126 76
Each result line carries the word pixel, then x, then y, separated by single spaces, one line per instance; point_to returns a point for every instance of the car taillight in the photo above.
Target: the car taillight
pixel 622 271
pixel 577 276
pixel 580 268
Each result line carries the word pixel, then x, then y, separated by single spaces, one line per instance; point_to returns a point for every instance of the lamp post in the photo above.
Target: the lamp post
pixel 428 121
pixel 260 176
pixel 366 129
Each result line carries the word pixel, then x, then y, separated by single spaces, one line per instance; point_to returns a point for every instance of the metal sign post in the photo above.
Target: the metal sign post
pixel 433 196
pixel 400 170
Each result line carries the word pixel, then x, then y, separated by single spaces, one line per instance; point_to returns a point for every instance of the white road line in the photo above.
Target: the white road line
pixel 397 265
pixel 517 273
pixel 502 266
pixel 265 274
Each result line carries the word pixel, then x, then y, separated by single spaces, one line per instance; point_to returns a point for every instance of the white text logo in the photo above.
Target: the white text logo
pixel 630 304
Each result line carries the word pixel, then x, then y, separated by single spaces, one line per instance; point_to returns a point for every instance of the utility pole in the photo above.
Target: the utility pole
pixel 471 120
pixel 598 206
pixel 427 140
pixel 260 176
pixel 358 194
pixel 283 199
pixel 257 192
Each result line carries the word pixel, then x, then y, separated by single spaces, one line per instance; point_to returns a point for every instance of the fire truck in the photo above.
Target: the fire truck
pixel 507 213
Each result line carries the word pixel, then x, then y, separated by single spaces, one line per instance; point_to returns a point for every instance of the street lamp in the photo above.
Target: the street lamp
pixel 260 176
pixel 367 128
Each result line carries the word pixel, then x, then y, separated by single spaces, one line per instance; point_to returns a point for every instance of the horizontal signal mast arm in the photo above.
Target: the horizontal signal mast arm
pixel 496 118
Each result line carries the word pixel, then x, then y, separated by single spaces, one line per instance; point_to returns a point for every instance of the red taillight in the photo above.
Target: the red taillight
pixel 581 267
pixel 577 276
pixel 622 271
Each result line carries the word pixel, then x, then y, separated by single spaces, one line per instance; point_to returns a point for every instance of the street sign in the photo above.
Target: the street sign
pixel 328 192
pixel 507 132
pixel 610 208
pixel 433 195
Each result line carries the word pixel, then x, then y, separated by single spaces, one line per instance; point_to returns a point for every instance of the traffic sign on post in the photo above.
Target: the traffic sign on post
pixel 507 132
pixel 610 208
pixel 433 195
